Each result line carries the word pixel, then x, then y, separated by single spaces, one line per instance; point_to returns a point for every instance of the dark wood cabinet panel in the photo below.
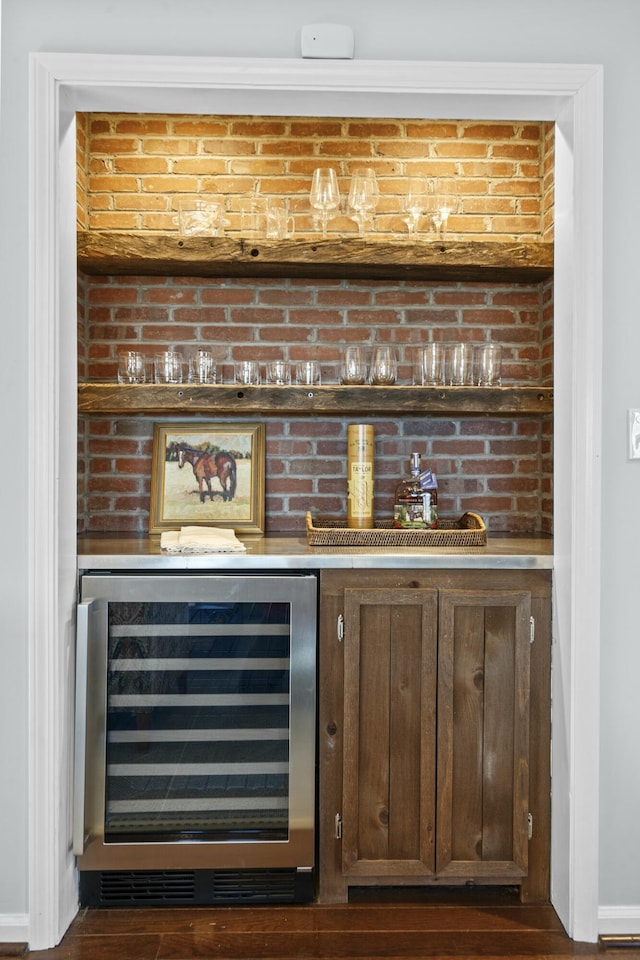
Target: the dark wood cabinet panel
pixel 434 759
pixel 389 731
pixel 483 733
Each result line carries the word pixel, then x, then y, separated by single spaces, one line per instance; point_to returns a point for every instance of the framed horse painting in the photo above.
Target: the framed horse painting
pixel 208 473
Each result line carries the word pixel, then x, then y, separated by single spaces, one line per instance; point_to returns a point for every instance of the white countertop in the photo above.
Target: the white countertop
pixel 294 553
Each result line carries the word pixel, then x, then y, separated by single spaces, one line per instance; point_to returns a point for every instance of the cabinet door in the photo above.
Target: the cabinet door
pixel 390 659
pixel 483 734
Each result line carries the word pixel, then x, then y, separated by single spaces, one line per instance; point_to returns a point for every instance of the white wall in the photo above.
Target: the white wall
pixel 573 31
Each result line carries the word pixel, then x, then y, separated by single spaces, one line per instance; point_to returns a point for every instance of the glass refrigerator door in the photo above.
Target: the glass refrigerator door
pixel 207 736
pixel 198 711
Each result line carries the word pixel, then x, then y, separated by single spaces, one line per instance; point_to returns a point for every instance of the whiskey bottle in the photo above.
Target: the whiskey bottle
pixel 412 505
pixel 360 475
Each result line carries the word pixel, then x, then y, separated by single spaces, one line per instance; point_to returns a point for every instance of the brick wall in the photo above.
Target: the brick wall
pixel 135 169
pixel 496 467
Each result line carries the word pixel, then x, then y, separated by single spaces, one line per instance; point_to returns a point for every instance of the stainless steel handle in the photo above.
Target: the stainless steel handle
pixel 80 750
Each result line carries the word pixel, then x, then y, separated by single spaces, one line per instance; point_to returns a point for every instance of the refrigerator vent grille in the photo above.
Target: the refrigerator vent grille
pixel 132 888
pixel 258 886
pixel 152 886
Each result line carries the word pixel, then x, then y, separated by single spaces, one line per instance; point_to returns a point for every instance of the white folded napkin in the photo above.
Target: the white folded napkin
pixel 201 540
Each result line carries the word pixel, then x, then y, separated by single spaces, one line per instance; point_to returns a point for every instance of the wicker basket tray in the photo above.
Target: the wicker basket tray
pixel 468 531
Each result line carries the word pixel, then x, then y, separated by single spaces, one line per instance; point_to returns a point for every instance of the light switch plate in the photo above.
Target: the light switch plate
pixel 327 41
pixel 634 434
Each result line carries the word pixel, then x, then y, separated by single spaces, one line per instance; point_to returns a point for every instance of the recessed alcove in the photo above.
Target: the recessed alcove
pixel 569 95
pixel 489 276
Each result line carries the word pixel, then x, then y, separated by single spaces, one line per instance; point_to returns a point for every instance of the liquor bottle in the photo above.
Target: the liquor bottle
pixel 412 505
pixel 360 476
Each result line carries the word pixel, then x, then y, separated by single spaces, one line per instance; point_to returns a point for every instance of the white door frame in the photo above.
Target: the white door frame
pixel 570 95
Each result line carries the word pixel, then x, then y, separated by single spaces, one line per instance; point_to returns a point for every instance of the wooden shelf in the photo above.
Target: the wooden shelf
pixel 221 399
pixel 111 253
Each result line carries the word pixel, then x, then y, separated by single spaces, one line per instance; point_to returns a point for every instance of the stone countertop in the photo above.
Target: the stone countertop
pixel 294 553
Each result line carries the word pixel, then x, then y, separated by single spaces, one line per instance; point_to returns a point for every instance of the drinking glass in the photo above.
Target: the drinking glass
pixel 253 217
pixel 202 368
pixel 363 196
pixel 278 372
pixel 168 366
pixel 354 366
pixel 308 373
pixel 280 224
pixel 488 361
pixel 384 367
pixel 325 195
pixel 428 366
pixel 201 218
pixel 131 367
pixel 459 364
pixel 247 372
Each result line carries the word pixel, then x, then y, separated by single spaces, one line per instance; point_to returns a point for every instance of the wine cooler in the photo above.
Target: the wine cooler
pixel 195 738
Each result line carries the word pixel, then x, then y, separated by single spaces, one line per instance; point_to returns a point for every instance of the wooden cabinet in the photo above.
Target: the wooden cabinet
pixel 434 729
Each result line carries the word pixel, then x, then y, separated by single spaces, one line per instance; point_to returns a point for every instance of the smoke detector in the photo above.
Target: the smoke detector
pixel 327 41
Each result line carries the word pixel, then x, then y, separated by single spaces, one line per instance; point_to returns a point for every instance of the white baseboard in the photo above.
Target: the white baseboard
pixel 619 921
pixel 14 928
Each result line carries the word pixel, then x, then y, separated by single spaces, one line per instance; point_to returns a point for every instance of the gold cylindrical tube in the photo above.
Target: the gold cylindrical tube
pixel 360 475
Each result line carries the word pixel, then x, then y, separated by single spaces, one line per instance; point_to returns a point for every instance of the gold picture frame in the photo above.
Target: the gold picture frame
pixel 209 474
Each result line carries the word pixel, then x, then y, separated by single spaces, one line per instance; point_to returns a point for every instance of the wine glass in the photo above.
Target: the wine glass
pixel 324 195
pixel 444 203
pixel 363 196
pixel 415 202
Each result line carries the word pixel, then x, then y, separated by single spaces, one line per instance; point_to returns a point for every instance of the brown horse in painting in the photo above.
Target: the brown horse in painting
pixel 206 466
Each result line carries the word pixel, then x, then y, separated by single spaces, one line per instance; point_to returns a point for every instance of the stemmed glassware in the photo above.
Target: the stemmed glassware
pixel 415 202
pixel 363 196
pixel 442 206
pixel 325 194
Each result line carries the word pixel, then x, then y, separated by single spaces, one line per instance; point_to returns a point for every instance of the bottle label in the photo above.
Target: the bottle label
pixel 410 513
pixel 360 475
pixel 360 487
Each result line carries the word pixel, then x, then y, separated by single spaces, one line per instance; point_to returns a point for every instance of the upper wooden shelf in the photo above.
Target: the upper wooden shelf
pixel 105 253
pixel 159 400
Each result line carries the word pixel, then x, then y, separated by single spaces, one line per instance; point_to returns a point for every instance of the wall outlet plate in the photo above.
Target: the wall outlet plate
pixel 634 434
pixel 327 41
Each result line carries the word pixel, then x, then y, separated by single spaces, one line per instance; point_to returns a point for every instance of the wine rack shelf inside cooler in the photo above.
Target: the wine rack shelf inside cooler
pixel 198 719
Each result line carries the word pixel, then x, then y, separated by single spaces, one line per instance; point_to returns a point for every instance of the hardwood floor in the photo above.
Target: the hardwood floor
pixel 396 925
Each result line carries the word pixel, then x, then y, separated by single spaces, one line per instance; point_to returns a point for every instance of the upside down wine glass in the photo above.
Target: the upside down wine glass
pixel 325 195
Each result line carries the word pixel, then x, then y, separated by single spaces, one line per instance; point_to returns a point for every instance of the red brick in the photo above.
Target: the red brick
pixel 199 127
pixel 199 310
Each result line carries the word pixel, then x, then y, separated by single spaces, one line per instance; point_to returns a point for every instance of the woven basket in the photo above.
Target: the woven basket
pixel 468 531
